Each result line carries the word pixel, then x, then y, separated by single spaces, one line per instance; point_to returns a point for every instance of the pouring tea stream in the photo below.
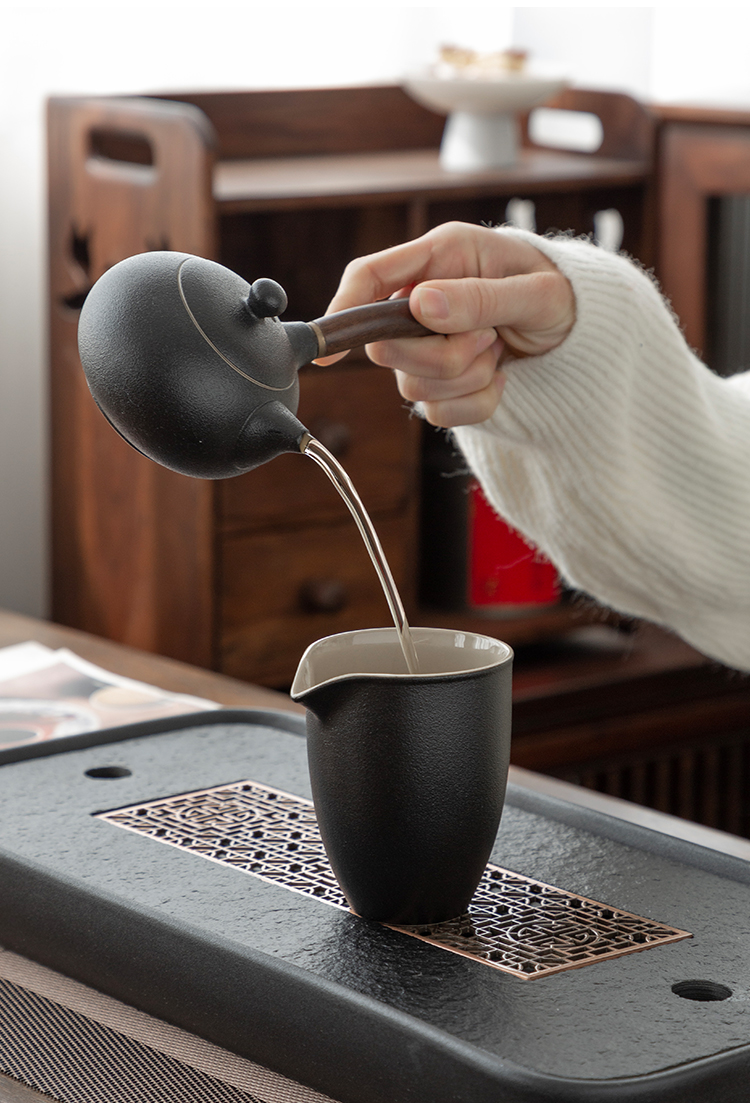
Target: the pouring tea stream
pixel 192 367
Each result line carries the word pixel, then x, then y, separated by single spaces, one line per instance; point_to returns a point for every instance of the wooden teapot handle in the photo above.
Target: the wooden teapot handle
pixel 384 320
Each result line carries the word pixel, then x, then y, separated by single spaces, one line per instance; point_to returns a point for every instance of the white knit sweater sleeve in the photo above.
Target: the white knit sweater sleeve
pixel 625 460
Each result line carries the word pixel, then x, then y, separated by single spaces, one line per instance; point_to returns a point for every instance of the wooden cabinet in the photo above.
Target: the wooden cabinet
pixel 703 154
pixel 639 715
pixel 241 574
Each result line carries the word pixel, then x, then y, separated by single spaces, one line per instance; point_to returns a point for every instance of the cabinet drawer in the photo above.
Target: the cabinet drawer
pixel 357 413
pixel 280 591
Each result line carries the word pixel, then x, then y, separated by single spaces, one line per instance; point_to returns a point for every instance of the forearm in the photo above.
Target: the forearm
pixel 627 461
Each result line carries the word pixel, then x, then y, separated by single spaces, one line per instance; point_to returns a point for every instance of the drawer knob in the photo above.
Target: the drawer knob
pixel 323 596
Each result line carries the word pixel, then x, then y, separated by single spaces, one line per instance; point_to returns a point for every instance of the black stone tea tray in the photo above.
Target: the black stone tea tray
pixel 168 905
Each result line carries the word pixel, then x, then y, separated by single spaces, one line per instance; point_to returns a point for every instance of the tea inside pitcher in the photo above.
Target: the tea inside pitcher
pixel 348 492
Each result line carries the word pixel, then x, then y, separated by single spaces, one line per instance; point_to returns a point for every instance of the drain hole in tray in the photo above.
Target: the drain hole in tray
pixel 108 772
pixel 701 990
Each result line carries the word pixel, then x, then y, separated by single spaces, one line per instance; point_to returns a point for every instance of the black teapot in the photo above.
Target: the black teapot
pixel 191 365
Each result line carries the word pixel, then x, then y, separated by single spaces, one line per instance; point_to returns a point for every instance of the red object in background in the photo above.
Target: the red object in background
pixel 504 571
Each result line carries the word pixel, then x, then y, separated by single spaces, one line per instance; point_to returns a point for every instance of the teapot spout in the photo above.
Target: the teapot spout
pixel 270 430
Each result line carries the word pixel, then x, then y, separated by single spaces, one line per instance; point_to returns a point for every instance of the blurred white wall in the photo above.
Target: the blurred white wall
pixel 596 47
pixel 51 47
pixel 701 55
pixel 666 52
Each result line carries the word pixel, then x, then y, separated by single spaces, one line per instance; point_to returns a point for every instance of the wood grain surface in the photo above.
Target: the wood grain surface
pixel 698 160
pixel 365 324
pixel 172 675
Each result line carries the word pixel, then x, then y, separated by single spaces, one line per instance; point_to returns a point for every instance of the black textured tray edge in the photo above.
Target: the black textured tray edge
pixel 629 834
pixel 324 1035
pixel 342 1053
pixel 570 814
pixel 282 720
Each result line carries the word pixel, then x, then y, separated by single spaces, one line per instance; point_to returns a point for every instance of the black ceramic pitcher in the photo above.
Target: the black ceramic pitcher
pixel 408 771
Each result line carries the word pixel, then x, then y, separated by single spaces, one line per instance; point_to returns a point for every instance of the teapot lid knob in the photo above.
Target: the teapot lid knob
pixel 266 298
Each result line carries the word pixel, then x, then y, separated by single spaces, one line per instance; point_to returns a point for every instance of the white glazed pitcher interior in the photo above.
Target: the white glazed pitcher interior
pixel 370 652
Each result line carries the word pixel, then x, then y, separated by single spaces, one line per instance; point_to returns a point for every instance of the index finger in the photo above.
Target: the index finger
pixel 453 250
pixel 377 276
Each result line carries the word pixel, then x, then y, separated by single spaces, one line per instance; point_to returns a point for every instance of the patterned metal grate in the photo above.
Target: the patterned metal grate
pixel 514 923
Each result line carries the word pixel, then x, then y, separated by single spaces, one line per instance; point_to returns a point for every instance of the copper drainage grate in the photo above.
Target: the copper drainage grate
pixel 515 924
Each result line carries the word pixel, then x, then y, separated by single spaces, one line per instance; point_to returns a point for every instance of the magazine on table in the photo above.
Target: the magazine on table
pixel 48 693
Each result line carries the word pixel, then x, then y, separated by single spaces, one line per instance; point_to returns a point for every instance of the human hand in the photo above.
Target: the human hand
pixel 488 296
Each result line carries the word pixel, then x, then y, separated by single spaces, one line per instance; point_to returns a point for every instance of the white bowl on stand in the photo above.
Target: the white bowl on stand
pixel 481 132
